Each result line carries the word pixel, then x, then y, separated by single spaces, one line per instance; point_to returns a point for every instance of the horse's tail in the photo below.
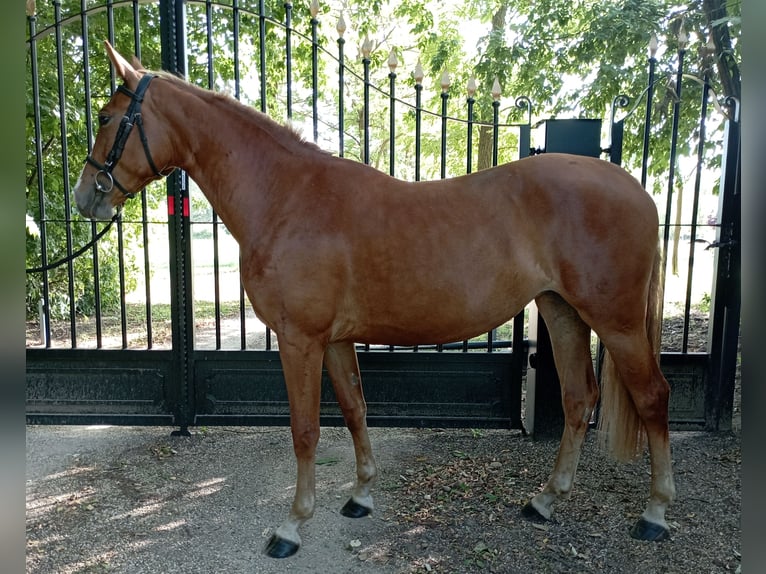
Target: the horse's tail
pixel 622 430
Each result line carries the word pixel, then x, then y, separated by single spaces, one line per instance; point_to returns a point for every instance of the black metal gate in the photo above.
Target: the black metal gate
pixel 80 375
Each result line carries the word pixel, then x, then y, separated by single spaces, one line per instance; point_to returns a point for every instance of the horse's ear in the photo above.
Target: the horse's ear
pixel 136 63
pixel 124 69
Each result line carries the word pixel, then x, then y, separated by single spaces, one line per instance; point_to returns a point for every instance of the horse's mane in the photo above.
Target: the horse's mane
pixel 284 133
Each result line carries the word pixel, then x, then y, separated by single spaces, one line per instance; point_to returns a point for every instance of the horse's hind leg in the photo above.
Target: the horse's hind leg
pixel 570 339
pixel 343 368
pixel 637 369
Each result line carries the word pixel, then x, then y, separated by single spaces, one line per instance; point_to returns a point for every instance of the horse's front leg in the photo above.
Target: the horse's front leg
pixel 343 368
pixel 302 367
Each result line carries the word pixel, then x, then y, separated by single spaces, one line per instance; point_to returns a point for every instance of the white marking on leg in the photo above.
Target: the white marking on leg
pixel 289 531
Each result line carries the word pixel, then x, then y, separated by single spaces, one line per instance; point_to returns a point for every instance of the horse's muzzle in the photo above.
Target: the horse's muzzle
pixel 91 203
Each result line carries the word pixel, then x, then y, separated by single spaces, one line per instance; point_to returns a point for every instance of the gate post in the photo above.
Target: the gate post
pixel 726 293
pixel 544 411
pixel 173 47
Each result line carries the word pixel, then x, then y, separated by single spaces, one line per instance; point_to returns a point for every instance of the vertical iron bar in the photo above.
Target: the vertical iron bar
pixel 469 137
pixel 341 85
pixel 89 145
pixel 495 130
pixel 392 124
pixel 136 30
pixel 695 209
pixel 147 271
pixel 289 57
pixel 237 95
pixel 144 204
pixel 110 36
pixel 65 167
pixel 366 126
pixel 121 268
pixel 726 299
pixel 314 77
pixel 262 48
pixel 418 119
pixel 469 159
pixel 672 170
pixel 46 328
pixel 120 231
pixel 495 146
pixel 216 259
pixel 209 39
pixel 235 32
pixel 647 121
pixel 443 168
pixel 392 133
pixel 173 44
pixel 366 103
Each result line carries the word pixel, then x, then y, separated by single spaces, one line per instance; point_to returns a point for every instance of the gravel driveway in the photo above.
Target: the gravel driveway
pixel 136 500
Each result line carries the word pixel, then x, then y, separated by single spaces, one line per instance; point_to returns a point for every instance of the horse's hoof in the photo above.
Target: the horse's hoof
pixel 354 510
pixel 645 530
pixel 532 514
pixel 279 547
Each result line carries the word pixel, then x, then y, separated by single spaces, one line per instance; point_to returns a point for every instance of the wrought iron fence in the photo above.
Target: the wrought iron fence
pixel 155 281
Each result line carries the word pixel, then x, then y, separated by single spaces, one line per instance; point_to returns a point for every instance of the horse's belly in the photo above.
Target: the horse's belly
pixel 424 320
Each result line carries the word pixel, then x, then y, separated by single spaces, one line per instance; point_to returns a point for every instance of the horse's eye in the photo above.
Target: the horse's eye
pixel 103 119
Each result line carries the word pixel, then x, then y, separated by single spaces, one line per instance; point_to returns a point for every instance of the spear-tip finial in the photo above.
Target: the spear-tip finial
pixel 445 80
pixel 471 88
pixel 418 74
pixel 392 61
pixel 496 89
pixel 653 46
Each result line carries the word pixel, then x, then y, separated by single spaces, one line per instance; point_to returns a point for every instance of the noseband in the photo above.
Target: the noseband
pixel 105 180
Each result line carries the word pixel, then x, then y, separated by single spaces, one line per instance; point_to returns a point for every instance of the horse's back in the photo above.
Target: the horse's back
pixel 440 260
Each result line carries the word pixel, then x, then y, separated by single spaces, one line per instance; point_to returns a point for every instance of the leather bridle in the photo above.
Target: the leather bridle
pixel 104 178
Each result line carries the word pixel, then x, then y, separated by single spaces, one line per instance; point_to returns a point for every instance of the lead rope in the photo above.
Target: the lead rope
pixel 80 251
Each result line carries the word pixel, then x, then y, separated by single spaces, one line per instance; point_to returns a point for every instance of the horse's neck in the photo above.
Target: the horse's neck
pixel 234 162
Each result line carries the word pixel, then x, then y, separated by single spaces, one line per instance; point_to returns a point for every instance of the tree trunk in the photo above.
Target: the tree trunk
pixel 485 132
pixel 485 148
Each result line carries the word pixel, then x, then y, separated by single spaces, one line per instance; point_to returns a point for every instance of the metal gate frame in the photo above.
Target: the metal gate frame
pixel 184 387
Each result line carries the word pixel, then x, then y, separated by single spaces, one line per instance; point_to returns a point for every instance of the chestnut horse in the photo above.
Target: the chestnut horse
pixel 334 252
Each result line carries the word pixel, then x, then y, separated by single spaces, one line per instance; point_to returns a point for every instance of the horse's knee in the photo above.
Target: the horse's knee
pixel 305 440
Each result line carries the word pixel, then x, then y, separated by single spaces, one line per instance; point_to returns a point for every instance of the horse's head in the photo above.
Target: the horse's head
pixel 129 151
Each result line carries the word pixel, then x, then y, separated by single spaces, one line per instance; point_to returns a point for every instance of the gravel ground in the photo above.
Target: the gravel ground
pixel 136 500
